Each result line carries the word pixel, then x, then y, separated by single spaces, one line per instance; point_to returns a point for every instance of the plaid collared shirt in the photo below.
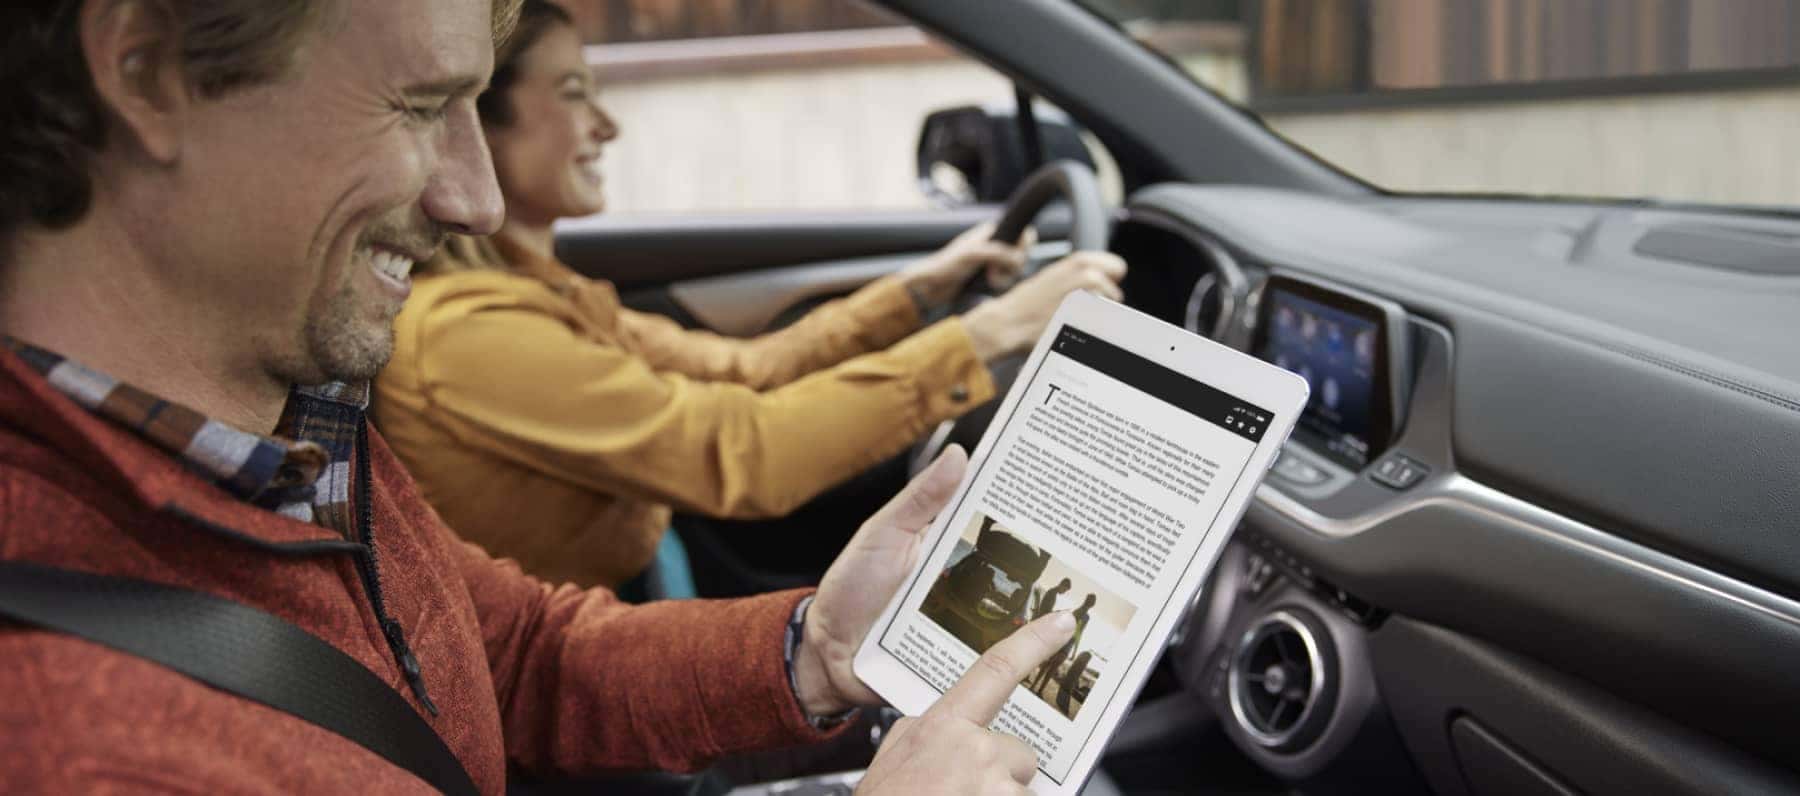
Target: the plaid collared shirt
pixel 302 471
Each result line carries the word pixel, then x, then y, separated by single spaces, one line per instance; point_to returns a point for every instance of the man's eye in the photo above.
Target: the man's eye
pixel 427 112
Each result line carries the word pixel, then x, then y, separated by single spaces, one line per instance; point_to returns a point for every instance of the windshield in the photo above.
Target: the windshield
pixel 1612 99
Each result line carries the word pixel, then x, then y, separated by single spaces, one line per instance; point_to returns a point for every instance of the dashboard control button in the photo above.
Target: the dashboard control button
pixel 1216 674
pixel 1261 574
pixel 1297 470
pixel 1387 468
pixel 1399 472
pixel 1304 576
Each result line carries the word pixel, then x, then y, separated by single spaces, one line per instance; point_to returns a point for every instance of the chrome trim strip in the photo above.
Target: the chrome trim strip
pixel 1230 278
pixel 744 304
pixel 1190 316
pixel 1460 491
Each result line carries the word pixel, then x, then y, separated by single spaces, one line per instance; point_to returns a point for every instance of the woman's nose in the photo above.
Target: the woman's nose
pixel 605 129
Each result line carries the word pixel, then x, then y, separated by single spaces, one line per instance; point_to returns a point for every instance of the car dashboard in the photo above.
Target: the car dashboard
pixel 1537 531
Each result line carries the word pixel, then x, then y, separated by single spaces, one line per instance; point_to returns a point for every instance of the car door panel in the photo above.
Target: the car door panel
pixel 741 275
pixel 635 252
pixel 742 305
pixel 1465 705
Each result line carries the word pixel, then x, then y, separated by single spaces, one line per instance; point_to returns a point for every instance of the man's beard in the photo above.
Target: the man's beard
pixel 343 346
pixel 340 341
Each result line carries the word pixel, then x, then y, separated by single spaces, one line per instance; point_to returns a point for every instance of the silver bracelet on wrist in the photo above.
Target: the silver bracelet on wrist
pixel 796 629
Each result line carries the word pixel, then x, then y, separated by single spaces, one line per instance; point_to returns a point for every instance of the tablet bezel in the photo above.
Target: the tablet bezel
pixel 1284 394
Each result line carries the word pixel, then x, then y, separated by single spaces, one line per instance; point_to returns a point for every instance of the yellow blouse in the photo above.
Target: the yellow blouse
pixel 549 424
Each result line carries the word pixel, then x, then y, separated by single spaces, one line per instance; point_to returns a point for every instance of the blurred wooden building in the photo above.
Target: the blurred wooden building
pixel 617 21
pixel 1347 47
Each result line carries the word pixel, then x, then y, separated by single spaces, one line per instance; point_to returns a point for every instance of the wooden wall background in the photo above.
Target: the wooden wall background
pixel 616 21
pixel 1311 47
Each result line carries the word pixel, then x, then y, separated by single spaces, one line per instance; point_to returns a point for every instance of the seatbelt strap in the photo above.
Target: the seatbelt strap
pixel 237 649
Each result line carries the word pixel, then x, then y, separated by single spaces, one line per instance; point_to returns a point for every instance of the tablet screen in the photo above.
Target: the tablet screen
pixel 1096 495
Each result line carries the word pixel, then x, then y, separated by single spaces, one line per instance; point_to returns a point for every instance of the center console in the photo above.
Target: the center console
pixel 1277 649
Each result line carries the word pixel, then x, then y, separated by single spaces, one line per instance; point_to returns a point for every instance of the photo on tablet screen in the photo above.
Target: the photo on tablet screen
pixel 994 582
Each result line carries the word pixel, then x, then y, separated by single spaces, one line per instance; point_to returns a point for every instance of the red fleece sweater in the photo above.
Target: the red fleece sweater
pixel 556 680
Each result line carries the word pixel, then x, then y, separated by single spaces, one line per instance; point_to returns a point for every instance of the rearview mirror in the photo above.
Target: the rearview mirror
pixel 977 155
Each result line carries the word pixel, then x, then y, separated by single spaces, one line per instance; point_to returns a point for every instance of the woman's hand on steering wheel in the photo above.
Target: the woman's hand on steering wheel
pixel 935 280
pixel 1004 328
pixel 1012 322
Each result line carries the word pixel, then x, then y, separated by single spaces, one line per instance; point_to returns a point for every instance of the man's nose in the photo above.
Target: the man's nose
pixel 462 193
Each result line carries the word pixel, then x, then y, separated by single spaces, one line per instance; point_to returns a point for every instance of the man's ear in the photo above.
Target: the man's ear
pixel 133 51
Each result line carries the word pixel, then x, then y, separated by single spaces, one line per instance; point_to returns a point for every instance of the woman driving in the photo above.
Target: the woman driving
pixel 551 425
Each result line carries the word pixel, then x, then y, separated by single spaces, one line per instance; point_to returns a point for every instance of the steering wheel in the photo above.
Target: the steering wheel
pixel 1088 231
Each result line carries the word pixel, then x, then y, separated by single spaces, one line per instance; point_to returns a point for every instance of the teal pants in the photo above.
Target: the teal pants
pixel 669 577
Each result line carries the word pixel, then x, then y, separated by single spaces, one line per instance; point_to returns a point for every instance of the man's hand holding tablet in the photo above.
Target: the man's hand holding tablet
pixel 1108 482
pixel 949 749
pixel 861 582
pixel 1115 469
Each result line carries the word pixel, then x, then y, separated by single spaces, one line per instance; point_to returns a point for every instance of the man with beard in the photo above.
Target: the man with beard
pixel 210 213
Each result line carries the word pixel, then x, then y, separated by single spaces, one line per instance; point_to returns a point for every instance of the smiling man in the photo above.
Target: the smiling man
pixel 208 218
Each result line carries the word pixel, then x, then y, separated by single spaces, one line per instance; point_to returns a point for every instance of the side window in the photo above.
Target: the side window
pixel 1670 100
pixel 749 106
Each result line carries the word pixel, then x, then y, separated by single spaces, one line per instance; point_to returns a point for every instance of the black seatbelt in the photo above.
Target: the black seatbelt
pixel 239 650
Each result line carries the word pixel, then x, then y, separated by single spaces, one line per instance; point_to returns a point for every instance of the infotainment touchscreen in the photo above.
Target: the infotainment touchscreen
pixel 1340 345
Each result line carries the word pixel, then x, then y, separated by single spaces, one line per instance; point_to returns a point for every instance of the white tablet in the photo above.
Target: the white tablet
pixel 1108 483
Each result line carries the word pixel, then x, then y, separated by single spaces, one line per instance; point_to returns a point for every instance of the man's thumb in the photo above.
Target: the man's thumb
pixel 927 494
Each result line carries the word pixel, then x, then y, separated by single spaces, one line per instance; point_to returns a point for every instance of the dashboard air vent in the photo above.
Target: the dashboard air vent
pixel 1283 680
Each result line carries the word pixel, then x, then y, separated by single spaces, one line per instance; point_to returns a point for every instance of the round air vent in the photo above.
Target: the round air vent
pixel 1284 680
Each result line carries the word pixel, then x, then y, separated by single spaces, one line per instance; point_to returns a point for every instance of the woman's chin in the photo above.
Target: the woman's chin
pixel 582 206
